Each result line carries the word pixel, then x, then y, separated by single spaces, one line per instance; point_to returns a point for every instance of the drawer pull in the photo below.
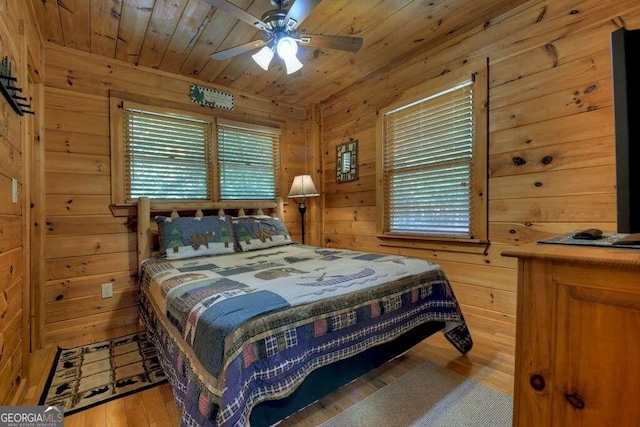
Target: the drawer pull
pixel 574 400
pixel 537 382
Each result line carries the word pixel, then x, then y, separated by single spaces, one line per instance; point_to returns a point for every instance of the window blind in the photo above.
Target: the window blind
pixel 166 157
pixel 427 165
pixel 248 162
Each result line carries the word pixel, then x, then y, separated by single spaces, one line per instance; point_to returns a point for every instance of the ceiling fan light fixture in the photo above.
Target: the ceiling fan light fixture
pixel 263 57
pixel 292 63
pixel 287 48
pixel 281 26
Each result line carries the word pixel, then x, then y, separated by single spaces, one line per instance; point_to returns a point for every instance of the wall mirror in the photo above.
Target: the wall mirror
pixel 347 161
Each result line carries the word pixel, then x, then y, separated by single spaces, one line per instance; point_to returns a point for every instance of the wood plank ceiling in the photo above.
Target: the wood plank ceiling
pixel 178 36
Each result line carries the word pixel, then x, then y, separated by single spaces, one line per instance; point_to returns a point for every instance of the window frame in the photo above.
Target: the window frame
pixel 478 235
pixel 120 205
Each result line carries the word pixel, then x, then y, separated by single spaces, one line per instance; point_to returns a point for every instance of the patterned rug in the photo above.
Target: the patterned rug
pixel 89 375
pixel 430 396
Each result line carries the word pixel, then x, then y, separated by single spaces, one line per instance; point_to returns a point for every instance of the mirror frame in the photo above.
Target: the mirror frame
pixel 347 161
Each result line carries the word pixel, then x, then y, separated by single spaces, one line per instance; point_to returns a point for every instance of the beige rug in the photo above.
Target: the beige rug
pixel 89 375
pixel 433 396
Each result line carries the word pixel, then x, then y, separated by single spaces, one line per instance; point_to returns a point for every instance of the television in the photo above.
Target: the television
pixel 625 44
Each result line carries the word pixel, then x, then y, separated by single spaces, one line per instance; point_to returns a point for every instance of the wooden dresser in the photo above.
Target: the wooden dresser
pixel 578 336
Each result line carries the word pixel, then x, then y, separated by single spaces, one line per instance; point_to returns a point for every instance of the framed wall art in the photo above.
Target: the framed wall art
pixel 347 161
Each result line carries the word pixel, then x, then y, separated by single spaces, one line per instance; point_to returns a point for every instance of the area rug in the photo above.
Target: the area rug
pixel 86 376
pixel 430 395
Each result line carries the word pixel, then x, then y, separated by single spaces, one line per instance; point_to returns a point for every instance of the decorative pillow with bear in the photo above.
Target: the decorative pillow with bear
pixel 188 237
pixel 257 232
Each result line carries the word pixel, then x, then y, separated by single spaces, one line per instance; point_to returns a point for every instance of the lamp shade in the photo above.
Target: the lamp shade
pixel 287 48
pixel 292 64
pixel 263 57
pixel 303 187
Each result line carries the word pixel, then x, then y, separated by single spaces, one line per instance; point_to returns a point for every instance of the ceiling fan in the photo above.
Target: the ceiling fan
pixel 280 26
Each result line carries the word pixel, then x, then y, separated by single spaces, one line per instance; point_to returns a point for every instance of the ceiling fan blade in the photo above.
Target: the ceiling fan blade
pixel 351 44
pixel 239 13
pixel 298 12
pixel 237 50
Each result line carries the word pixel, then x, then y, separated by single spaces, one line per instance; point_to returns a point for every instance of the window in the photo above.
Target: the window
pixel 170 154
pixel 165 156
pixel 159 153
pixel 432 151
pixel 248 161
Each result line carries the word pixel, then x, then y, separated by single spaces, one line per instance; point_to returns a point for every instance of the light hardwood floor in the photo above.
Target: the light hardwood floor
pixel 490 362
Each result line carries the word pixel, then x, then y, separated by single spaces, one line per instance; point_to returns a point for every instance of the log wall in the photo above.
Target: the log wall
pixel 551 143
pixel 85 244
pixel 20 43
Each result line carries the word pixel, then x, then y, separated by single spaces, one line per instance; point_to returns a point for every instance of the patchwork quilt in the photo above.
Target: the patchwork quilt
pixel 250 326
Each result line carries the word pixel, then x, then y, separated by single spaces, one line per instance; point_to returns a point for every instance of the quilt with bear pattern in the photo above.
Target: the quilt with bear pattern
pixel 250 326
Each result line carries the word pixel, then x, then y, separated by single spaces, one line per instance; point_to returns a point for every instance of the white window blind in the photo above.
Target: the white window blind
pixel 248 161
pixel 166 157
pixel 427 165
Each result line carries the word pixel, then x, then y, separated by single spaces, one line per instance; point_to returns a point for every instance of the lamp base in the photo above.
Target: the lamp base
pixel 302 208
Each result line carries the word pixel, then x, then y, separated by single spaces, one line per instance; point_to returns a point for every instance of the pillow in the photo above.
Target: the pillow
pixel 188 237
pixel 257 232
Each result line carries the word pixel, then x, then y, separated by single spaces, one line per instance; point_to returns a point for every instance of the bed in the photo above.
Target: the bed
pixel 250 327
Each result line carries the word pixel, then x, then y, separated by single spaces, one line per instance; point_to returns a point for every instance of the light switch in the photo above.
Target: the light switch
pixel 14 190
pixel 107 290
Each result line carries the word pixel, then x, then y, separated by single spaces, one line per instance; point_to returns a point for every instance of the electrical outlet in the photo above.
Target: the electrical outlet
pixel 107 290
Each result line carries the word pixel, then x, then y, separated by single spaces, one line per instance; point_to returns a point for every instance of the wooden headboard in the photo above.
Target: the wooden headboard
pixel 147 209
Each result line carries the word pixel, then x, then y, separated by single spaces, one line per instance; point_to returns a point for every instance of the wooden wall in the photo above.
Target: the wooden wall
pixel 86 245
pixel 551 143
pixel 551 159
pixel 20 42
